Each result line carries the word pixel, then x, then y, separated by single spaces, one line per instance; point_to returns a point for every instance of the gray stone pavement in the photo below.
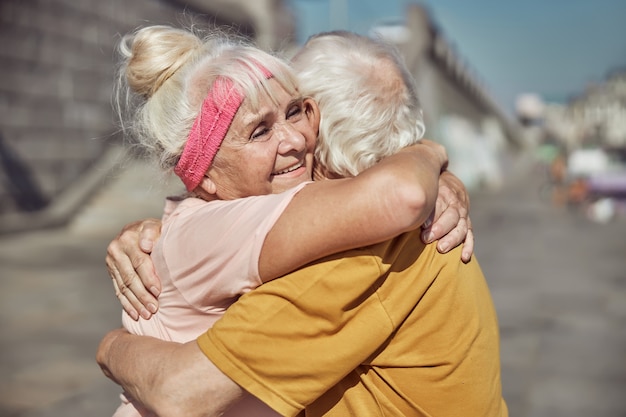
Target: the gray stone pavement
pixel 559 285
pixel 558 282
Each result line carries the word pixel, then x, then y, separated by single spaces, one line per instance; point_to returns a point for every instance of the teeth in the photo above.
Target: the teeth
pixel 293 168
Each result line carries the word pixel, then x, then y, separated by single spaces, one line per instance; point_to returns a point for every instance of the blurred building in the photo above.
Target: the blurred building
pixel 599 114
pixel 588 136
pixel 57 125
pixel 593 120
pixel 458 108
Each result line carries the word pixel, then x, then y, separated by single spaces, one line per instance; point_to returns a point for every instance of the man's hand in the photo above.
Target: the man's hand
pixel 131 269
pixel 450 222
pixel 168 378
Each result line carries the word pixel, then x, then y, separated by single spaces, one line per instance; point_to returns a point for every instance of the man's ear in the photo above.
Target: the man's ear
pixel 312 112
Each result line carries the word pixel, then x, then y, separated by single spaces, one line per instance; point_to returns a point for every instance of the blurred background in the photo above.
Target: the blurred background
pixel 497 81
pixel 528 97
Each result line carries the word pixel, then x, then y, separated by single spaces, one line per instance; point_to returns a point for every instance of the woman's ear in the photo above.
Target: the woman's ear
pixel 208 186
pixel 312 112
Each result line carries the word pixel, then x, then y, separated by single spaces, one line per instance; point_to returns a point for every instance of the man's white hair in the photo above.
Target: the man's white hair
pixel 367 99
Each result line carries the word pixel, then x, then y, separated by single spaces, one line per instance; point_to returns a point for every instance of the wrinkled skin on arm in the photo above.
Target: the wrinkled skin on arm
pixel 173 379
pixel 137 286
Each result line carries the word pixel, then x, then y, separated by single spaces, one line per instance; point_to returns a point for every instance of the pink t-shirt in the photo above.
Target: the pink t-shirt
pixel 207 257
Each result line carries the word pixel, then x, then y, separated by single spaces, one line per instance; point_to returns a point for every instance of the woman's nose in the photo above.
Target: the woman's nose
pixel 290 138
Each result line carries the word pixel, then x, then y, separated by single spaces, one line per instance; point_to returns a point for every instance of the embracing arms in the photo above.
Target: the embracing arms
pixel 155 379
pixel 137 286
pixel 394 196
pixel 174 377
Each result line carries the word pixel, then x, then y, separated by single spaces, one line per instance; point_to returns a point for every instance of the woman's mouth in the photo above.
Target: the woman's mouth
pixel 290 169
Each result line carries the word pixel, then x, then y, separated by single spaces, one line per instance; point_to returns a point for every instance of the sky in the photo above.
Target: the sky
pixel 554 48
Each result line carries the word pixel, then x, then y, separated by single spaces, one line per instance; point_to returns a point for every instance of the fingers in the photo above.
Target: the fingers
pixel 468 247
pixel 126 304
pixel 455 236
pixel 461 233
pixel 445 219
pixel 149 232
pixel 451 224
pixel 134 297
pixel 125 260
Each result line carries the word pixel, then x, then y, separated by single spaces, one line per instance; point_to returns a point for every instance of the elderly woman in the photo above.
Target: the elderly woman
pixel 175 235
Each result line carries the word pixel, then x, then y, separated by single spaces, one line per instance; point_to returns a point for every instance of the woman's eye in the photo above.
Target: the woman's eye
pixel 259 133
pixel 294 111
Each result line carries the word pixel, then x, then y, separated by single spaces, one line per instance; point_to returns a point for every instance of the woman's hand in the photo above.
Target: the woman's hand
pixel 450 222
pixel 131 269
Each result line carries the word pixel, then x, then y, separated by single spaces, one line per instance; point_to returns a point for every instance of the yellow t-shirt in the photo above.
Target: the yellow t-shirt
pixel 393 329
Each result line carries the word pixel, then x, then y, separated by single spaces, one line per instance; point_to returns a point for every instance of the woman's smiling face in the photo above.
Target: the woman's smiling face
pixel 268 149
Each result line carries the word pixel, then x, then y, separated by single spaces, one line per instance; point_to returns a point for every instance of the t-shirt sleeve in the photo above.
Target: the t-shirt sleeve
pixel 213 248
pixel 293 338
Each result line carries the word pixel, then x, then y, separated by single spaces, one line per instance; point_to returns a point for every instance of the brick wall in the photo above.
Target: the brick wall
pixel 56 75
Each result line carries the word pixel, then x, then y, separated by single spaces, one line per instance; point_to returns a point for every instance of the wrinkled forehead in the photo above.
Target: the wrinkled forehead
pixel 269 93
pixel 274 98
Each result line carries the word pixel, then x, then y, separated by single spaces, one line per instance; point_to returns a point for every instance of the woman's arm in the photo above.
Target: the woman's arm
pixel 394 196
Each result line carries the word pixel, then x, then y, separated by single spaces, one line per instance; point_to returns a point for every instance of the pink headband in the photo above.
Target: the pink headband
pixel 209 130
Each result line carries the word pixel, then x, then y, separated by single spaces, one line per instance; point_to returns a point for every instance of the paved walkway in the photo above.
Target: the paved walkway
pixel 558 281
pixel 559 284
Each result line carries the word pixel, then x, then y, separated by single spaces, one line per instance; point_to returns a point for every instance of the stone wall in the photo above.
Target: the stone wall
pixel 447 84
pixel 56 78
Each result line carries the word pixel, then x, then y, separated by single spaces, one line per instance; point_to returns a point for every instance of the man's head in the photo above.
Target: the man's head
pixel 366 96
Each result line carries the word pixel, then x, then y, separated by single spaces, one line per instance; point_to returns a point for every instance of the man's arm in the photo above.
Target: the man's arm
pixel 450 222
pixel 282 319
pixel 292 339
pixel 168 378
pixel 287 342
